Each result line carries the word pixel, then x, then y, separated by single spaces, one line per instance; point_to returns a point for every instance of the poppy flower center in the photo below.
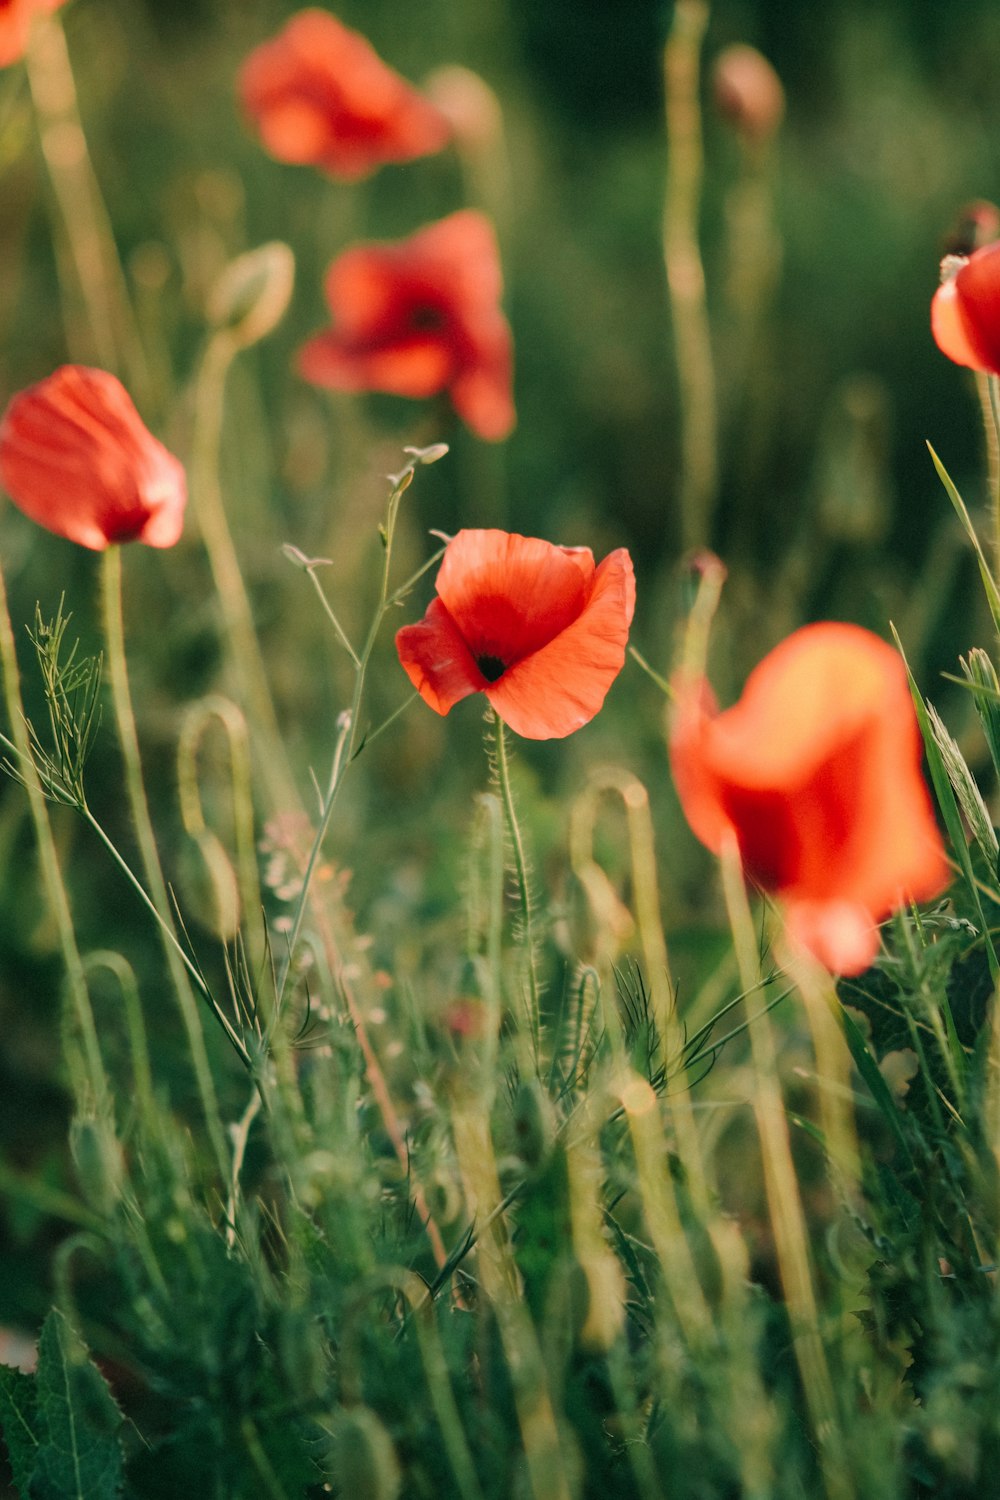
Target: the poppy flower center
pixel 426 319
pixel 492 667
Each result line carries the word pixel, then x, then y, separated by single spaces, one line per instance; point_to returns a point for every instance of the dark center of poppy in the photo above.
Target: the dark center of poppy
pixel 427 319
pixel 491 667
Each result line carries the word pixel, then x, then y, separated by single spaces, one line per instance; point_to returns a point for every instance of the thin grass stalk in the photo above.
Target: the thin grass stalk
pixel 501 1284
pixel 93 1076
pixel 685 273
pixel 114 631
pixel 833 1068
pixel 659 1203
pixel 240 633
pixel 645 884
pixel 87 238
pixel 523 882
pixel 787 1215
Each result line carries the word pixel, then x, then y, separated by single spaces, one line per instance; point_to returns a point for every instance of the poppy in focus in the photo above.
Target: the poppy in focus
pixel 816 773
pixel 419 316
pixel 537 628
pixel 965 312
pixel 77 458
pixel 321 96
pixel 16 17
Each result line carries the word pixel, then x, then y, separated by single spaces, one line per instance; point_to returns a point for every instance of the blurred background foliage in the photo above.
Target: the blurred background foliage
pixel 828 504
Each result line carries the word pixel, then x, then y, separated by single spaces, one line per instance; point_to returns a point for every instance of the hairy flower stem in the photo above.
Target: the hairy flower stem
pixel 993 383
pixel 111 604
pixel 87 240
pixel 685 274
pixel 521 872
pixel 93 1077
pixel 783 1200
pixel 237 615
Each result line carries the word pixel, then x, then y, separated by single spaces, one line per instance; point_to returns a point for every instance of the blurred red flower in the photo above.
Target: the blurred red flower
pixel 816 772
pixel 16 17
pixel 321 96
pixel 76 457
pixel 539 629
pixel 419 316
pixel 965 312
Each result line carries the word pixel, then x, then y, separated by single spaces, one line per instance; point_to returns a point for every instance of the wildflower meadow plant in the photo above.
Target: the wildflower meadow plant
pixel 319 95
pixel 77 458
pixel 385 1130
pixel 816 775
pixel 419 317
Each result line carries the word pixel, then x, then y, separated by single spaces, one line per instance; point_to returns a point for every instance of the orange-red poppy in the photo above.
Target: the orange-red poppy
pixel 965 312
pixel 320 96
pixel 539 629
pixel 16 17
pixel 816 773
pixel 76 457
pixel 419 316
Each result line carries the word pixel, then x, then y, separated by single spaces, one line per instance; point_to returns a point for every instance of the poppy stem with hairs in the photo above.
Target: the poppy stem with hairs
pixel 993 385
pixel 241 643
pixel 781 1185
pixel 114 632
pixel 93 1074
pixel 521 871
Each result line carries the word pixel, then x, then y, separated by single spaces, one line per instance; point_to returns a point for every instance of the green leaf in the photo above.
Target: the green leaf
pixel 19 1423
pixel 79 1453
pixel 989 582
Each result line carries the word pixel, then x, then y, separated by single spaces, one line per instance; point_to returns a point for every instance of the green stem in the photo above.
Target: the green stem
pixel 521 871
pixel 685 273
pixel 158 899
pixel 347 747
pixel 55 888
pixel 237 615
pixel 328 610
pixel 993 385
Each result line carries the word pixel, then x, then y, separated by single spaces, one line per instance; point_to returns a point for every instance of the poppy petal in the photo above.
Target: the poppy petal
pixel 415 368
pixel 437 661
pixel 560 687
pixel 949 329
pixel 977 287
pixel 840 934
pixel 509 595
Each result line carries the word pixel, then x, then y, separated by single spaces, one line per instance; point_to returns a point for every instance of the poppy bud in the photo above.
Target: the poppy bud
pixel 100 1167
pixel 748 93
pixel 253 292
pixel 469 105
pixel 76 457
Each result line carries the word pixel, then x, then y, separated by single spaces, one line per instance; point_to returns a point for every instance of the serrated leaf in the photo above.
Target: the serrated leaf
pixel 79 1453
pixel 19 1423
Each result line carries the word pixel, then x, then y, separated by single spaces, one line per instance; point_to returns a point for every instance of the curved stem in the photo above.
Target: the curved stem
pixel 237 615
pixel 111 605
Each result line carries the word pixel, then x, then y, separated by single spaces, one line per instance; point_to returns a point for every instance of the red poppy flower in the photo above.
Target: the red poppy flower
pixel 16 17
pixel 539 629
pixel 321 96
pixel 419 316
pixel 965 312
pixel 76 457
pixel 816 772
